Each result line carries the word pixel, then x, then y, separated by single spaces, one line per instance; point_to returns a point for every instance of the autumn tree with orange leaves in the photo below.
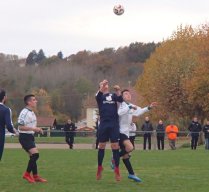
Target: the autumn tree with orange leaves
pixel 177 75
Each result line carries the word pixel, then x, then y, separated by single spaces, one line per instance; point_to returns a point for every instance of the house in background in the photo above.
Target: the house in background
pixel 90 112
pixel 88 125
pixel 91 116
pixel 46 123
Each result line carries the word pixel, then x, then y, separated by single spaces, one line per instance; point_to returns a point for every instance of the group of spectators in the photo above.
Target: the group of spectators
pixel 172 131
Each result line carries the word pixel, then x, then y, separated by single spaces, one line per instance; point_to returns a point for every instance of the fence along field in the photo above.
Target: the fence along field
pixel 89 138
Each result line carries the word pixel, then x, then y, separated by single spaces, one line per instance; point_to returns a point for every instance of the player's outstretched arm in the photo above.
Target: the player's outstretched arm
pixel 139 111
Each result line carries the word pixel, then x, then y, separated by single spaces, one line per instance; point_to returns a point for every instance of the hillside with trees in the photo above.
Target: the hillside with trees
pixel 63 84
pixel 175 73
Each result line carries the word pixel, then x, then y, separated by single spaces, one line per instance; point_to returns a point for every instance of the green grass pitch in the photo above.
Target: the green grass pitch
pixel 182 170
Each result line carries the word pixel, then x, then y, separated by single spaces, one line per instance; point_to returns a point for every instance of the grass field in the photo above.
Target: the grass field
pixel 182 170
pixel 78 140
pixel 88 140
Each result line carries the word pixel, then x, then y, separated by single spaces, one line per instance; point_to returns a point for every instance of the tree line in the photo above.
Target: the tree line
pixel 175 73
pixel 64 85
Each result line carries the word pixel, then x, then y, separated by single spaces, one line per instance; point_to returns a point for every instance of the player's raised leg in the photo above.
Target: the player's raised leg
pixel 126 160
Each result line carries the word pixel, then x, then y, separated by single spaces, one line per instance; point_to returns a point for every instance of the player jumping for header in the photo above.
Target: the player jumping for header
pixel 126 111
pixel 109 125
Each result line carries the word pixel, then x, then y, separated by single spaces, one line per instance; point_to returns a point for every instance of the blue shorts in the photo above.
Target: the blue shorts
pixel 108 131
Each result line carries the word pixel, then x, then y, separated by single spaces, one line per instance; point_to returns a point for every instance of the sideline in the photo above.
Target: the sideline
pixel 76 146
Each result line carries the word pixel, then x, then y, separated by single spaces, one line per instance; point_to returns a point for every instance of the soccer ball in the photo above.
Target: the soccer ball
pixel 118 9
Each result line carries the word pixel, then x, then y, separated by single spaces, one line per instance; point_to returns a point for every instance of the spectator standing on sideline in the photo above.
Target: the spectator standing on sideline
pixel 160 130
pixel 69 129
pixel 147 128
pixel 172 131
pixel 206 132
pixel 5 120
pixel 194 128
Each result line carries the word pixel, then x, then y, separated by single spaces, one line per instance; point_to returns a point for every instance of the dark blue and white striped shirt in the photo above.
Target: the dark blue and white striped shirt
pixel 5 119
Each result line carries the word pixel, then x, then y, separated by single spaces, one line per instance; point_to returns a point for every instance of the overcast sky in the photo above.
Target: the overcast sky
pixel 75 25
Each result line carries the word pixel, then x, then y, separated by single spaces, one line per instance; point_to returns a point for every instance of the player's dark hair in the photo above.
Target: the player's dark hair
pixel 28 98
pixel 2 94
pixel 124 90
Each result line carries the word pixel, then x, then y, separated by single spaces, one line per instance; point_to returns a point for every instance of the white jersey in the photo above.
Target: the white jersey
pixel 27 118
pixel 132 130
pixel 126 114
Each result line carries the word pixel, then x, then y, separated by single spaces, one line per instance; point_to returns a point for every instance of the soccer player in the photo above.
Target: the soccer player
pixel 5 120
pixel 27 125
pixel 109 125
pixel 126 111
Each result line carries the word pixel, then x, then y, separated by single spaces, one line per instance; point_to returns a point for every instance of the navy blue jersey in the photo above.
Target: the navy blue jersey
pixel 107 104
pixel 5 121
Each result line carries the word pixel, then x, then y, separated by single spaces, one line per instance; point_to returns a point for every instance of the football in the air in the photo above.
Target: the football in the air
pixel 118 9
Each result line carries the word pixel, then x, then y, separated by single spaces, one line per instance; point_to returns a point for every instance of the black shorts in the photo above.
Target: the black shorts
pixel 108 131
pixel 123 137
pixel 27 141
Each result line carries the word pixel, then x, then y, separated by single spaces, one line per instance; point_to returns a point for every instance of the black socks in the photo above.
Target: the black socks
pixel 32 166
pixel 116 156
pixel 128 165
pixel 100 156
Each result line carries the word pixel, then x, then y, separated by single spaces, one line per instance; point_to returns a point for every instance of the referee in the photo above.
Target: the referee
pixel 5 120
pixel 27 127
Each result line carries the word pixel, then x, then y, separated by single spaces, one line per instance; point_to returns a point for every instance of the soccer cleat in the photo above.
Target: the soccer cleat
pixel 112 163
pixel 28 177
pixel 99 172
pixel 117 174
pixel 37 178
pixel 134 177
